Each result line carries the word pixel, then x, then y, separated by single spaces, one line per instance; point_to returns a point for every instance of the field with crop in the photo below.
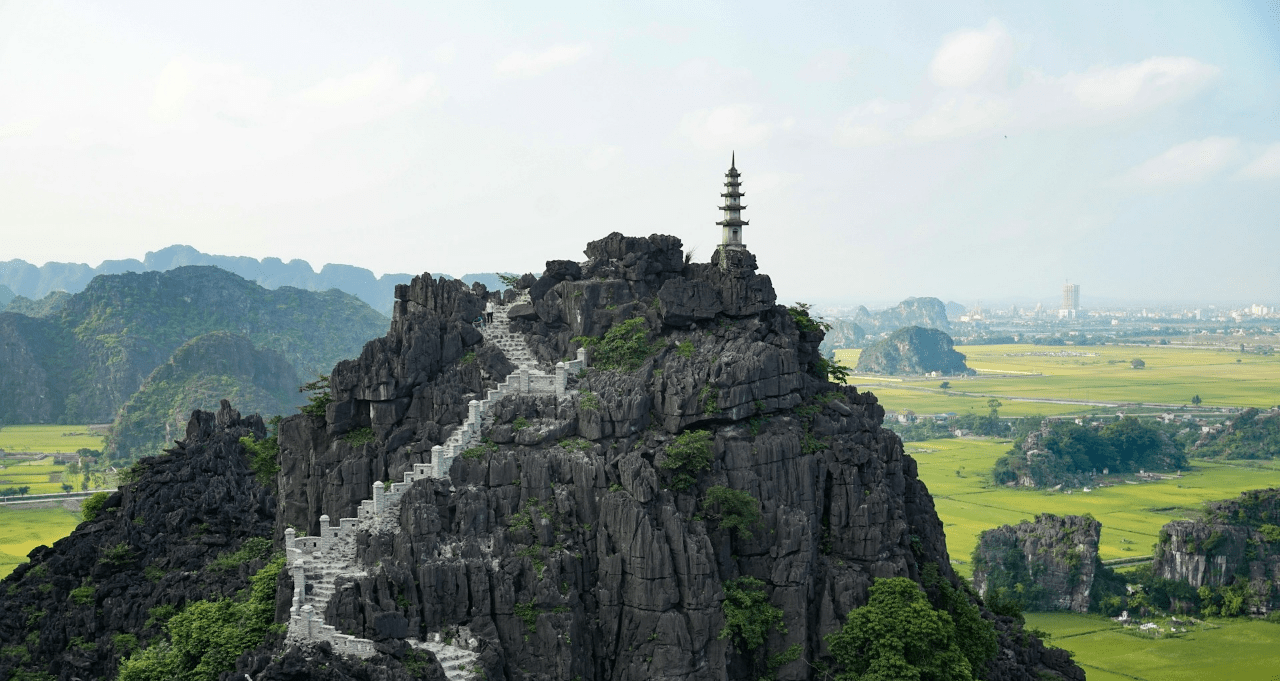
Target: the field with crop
pixel 49 439
pixel 43 477
pixel 1241 650
pixel 1222 378
pixel 955 471
pixel 26 528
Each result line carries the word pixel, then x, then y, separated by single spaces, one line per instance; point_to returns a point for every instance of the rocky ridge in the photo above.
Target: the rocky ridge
pixel 1238 541
pixel 567 545
pixel 1048 564
pixel 913 350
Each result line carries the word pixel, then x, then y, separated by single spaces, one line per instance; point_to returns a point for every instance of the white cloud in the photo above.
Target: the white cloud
pixel 724 127
pixel 1144 85
pixel 525 64
pixel 188 89
pixel 445 53
pixel 1186 163
pixel 19 128
pixel 961 115
pixel 379 82
pixel 969 57
pixel 1266 166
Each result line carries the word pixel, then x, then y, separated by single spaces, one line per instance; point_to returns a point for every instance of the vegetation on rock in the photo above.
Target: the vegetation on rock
pixel 913 350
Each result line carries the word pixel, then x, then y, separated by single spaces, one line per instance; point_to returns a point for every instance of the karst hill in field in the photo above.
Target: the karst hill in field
pixel 639 470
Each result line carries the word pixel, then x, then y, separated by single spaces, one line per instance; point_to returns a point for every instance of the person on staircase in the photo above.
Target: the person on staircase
pixel 488 312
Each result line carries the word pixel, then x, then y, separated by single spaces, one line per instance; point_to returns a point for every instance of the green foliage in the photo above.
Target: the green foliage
pixel 508 279
pixel 832 370
pixel 685 349
pixel 320 397
pixel 1128 444
pixel 359 436
pixel 480 451
pixel 748 615
pixel 624 347
pixel 207 636
pixel 690 453
pixel 160 614
pixel 83 594
pixel 1245 437
pixel 253 548
pixel 737 510
pixel 528 613
pixel 153 573
pixel 800 315
pixel 520 424
pixel 588 400
pixel 709 399
pixel 575 444
pixel 264 454
pixel 92 507
pixel 117 555
pixel 898 635
pixel 469 358
pixel 1270 532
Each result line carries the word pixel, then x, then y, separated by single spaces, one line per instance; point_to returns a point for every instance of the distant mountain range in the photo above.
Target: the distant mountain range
pixel 82 361
pixel 21 278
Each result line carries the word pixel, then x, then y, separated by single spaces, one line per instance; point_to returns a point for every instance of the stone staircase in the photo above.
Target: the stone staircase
pixel 317 562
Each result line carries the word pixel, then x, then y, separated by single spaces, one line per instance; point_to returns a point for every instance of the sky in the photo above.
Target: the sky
pixel 965 150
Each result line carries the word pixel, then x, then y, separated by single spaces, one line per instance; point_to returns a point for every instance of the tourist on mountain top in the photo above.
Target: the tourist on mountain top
pixel 488 312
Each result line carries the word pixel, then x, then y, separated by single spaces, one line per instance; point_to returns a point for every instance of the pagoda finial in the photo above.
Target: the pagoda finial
pixel 733 160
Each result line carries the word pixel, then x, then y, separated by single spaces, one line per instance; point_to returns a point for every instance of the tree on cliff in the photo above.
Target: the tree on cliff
pixel 898 635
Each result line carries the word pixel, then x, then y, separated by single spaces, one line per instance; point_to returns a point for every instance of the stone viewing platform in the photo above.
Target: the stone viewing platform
pixel 315 563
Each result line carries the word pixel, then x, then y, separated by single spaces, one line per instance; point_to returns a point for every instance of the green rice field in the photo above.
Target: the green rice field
pixel 1239 650
pixel 1173 374
pixel 23 529
pixel 49 439
pixel 1131 514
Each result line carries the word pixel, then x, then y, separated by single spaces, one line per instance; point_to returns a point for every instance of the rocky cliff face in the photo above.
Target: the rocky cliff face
pixel 1237 541
pixel 1048 564
pixel 913 350
pixel 580 540
pixel 153 544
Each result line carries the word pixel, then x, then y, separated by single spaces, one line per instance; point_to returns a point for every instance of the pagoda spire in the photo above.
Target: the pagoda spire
pixel 732 223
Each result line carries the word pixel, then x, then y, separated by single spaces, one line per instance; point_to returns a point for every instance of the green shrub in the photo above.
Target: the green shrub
pixel 709 399
pixel 738 511
pixel 690 453
pixel 800 315
pixel 479 451
pixel 124 644
pixel 624 347
pixel 469 358
pixel 83 594
pixel 92 507
pixel 588 400
pixel 264 454
pixel 160 614
pixel 1270 532
pixel 208 636
pixel 575 444
pixel 685 349
pixel 252 548
pixel 359 436
pixel 153 573
pixel 748 615
pixel 528 613
pixel 520 424
pixel 117 554
pixel 320 397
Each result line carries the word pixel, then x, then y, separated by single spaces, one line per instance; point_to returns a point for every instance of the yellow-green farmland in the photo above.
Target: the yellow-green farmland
pixel 1240 650
pixel 24 528
pixel 49 439
pixel 955 471
pixel 1103 374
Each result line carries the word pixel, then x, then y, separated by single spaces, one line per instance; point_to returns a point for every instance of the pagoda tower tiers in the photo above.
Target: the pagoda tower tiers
pixel 733 207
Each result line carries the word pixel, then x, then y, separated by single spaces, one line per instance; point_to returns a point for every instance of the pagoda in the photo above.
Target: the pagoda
pixel 733 207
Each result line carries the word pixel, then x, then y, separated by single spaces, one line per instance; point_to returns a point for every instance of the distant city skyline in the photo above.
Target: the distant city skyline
pixel 962 150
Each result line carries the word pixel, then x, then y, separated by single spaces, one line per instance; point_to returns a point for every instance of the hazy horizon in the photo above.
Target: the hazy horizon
pixel 974 151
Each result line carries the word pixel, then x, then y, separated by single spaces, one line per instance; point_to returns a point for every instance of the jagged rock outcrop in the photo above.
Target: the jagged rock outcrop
pixel 1237 541
pixel 1048 564
pixel 151 546
pixel 913 350
pixel 569 545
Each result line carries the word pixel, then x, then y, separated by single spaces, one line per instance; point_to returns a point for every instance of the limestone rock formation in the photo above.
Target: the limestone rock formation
pixel 1048 564
pixel 913 350
pixel 1237 541
pixel 577 541
pixel 926 312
